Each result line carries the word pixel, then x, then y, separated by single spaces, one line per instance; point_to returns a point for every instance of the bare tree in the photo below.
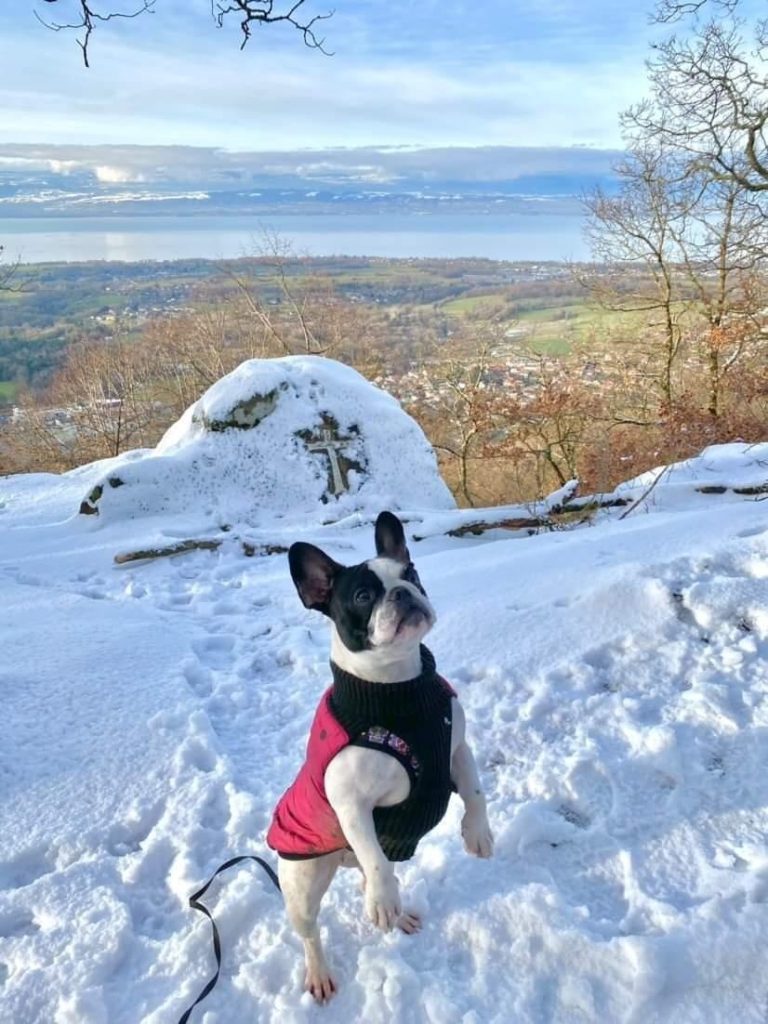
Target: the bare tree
pixel 292 332
pixel 695 244
pixel 709 93
pixel 189 353
pixel 297 313
pixel 722 259
pixel 459 414
pixel 105 388
pixel 641 228
pixel 8 271
pixel 89 13
pixel 547 426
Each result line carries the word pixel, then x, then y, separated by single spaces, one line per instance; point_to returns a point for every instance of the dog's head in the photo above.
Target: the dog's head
pixel 379 608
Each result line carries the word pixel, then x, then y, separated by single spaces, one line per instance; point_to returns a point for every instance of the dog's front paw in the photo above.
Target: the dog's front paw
pixel 477 835
pixel 382 902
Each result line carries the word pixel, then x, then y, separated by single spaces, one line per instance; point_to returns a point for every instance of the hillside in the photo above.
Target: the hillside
pixel 615 685
pixel 60 303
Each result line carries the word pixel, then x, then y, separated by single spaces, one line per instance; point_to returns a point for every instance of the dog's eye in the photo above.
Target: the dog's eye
pixel 362 596
pixel 410 575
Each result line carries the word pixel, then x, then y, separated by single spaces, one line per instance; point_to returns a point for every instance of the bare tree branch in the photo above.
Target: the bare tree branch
pixel 88 18
pixel 250 13
pixel 260 12
pixel 669 11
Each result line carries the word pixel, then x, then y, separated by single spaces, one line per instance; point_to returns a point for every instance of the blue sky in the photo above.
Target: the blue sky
pixel 428 73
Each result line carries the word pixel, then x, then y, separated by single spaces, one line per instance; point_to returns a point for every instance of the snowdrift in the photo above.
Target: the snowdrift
pixel 615 680
pixel 299 437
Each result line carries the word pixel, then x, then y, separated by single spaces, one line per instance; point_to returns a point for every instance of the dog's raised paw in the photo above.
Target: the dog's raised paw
pixel 382 903
pixel 478 838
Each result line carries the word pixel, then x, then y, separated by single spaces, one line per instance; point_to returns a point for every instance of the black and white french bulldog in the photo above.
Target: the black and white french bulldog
pixel 379 615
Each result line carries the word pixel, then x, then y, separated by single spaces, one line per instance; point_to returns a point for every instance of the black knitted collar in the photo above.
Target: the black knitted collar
pixel 355 698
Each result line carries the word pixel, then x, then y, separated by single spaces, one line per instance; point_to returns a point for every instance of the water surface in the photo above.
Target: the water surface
pixel 517 236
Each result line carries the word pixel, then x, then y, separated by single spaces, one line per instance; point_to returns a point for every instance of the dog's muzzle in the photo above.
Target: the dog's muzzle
pixel 410 610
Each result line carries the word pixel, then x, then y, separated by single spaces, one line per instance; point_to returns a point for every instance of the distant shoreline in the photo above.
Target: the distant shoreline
pixel 454 235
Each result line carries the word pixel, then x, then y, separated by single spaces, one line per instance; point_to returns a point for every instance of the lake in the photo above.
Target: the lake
pixel 503 236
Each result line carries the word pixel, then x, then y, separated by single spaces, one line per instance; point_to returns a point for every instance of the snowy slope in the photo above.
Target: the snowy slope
pixel 616 690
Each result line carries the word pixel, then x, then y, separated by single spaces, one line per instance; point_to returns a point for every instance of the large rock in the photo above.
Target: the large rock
pixel 299 437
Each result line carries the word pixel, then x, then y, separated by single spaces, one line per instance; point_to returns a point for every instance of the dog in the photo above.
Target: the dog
pixel 386 748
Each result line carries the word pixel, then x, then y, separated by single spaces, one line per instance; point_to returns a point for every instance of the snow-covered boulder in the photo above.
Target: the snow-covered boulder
pixel 299 437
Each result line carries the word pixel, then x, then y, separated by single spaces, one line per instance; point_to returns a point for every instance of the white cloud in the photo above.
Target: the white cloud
pixel 216 169
pixel 63 166
pixel 149 89
pixel 115 175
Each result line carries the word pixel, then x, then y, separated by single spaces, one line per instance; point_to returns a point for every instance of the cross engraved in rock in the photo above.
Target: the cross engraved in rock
pixel 336 450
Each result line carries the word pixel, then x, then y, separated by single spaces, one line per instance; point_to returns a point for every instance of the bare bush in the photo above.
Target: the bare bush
pixel 113 395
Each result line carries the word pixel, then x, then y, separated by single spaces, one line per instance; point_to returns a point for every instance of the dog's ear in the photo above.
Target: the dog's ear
pixel 390 538
pixel 313 573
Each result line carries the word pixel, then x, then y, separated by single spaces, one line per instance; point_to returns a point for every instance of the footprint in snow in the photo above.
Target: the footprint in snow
pixel 574 816
pixel 591 792
pixel 685 615
pixel 134 589
pixel 89 584
pixel 26 580
pixel 86 577
pixel 26 868
pixel 216 810
pixel 128 836
pixel 17 923
pixel 715 764
pixel 198 755
pixel 725 857
pixel 215 651
pixel 285 658
pixel 752 531
pixel 199 678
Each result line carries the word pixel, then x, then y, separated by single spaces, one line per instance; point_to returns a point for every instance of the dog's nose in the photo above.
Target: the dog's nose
pixel 402 596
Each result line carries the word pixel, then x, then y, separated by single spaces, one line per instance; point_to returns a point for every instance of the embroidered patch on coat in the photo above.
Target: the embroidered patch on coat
pixel 382 737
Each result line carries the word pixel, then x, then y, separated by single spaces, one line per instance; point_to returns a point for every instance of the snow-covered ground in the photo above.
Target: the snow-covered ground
pixel 616 690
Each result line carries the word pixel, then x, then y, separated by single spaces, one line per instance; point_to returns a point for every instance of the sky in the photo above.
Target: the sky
pixel 403 73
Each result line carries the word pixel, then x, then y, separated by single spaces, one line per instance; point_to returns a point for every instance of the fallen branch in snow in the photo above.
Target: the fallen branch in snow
pixel 476 527
pixel 752 489
pixel 555 512
pixel 646 493
pixel 249 550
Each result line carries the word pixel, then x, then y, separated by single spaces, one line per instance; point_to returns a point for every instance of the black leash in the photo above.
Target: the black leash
pixel 194 902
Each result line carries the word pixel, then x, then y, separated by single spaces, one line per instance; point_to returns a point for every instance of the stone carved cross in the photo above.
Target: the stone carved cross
pixel 336 450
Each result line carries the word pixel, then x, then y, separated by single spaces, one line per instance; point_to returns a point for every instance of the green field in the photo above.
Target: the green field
pixel 554 346
pixel 538 307
pixel 563 314
pixel 470 304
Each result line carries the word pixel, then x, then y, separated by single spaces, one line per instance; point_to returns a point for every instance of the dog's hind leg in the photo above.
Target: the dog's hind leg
pixel 304 883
